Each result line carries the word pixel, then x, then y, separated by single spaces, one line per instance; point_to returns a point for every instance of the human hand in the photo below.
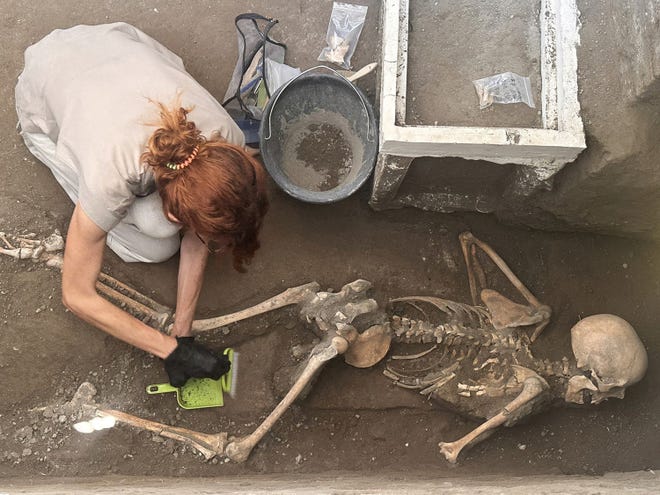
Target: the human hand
pixel 192 360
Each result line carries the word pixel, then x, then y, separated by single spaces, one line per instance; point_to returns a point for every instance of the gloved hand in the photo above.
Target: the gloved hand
pixel 193 360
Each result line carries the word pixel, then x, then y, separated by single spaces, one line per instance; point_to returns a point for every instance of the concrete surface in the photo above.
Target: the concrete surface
pixel 641 483
pixel 614 186
pixel 544 34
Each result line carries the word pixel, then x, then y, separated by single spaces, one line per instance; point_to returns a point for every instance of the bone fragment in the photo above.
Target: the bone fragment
pixel 487 362
pixel 239 449
pixel 295 295
pixel 133 294
pixel 440 383
pixel 3 238
pixel 415 356
pixel 532 387
pixel 22 253
pixel 144 311
pixel 208 445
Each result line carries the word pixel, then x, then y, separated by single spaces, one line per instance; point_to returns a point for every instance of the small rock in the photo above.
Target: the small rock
pixel 27 452
pixel 298 458
pixel 62 418
pixel 298 351
pixel 24 435
pixel 225 331
pixel 522 446
pixel 157 439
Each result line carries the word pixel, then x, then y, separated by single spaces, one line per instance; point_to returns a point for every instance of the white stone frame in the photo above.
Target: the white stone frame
pixel 543 151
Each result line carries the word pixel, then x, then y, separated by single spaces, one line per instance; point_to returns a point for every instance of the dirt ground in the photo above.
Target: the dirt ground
pixel 353 420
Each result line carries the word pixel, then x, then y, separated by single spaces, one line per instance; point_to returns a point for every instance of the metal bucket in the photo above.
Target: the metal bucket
pixel 319 137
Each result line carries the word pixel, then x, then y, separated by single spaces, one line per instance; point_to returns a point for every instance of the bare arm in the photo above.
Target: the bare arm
pixel 192 263
pixel 83 256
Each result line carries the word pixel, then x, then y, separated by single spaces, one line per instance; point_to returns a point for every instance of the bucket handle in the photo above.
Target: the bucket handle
pixel 286 85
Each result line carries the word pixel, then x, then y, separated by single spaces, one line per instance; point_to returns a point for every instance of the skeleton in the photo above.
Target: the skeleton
pixel 331 315
pixel 480 362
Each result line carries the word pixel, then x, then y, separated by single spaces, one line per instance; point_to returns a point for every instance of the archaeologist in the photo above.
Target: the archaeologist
pixel 154 165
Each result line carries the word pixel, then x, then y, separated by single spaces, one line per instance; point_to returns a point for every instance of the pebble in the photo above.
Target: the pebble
pixel 522 446
pixel 27 452
pixel 298 351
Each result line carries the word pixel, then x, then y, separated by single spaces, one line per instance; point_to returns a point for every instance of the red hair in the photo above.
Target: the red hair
pixel 220 195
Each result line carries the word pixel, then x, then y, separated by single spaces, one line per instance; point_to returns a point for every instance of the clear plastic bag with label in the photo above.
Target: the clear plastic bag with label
pixel 346 22
pixel 504 88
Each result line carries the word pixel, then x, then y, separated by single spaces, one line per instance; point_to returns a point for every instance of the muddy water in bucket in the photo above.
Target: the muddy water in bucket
pixel 320 151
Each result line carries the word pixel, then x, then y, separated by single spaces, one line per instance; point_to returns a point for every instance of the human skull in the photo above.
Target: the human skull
pixel 611 355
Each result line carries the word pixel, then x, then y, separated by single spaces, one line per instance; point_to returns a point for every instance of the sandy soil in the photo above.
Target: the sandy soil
pixel 353 420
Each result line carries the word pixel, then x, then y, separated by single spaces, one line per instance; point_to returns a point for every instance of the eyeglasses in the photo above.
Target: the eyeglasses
pixel 213 246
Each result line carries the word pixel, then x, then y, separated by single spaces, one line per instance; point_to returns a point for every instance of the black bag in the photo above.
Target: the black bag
pixel 248 91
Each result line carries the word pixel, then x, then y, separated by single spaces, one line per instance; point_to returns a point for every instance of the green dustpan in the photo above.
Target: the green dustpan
pixel 199 392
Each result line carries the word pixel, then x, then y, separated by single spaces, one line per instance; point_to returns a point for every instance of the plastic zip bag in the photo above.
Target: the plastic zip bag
pixel 507 87
pixel 346 22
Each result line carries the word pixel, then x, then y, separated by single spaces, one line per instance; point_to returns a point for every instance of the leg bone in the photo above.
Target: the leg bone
pixel 468 244
pixel 208 445
pixel 532 387
pixel 239 449
pixel 140 310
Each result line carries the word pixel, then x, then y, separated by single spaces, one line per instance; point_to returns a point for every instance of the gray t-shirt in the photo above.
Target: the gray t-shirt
pixel 91 90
